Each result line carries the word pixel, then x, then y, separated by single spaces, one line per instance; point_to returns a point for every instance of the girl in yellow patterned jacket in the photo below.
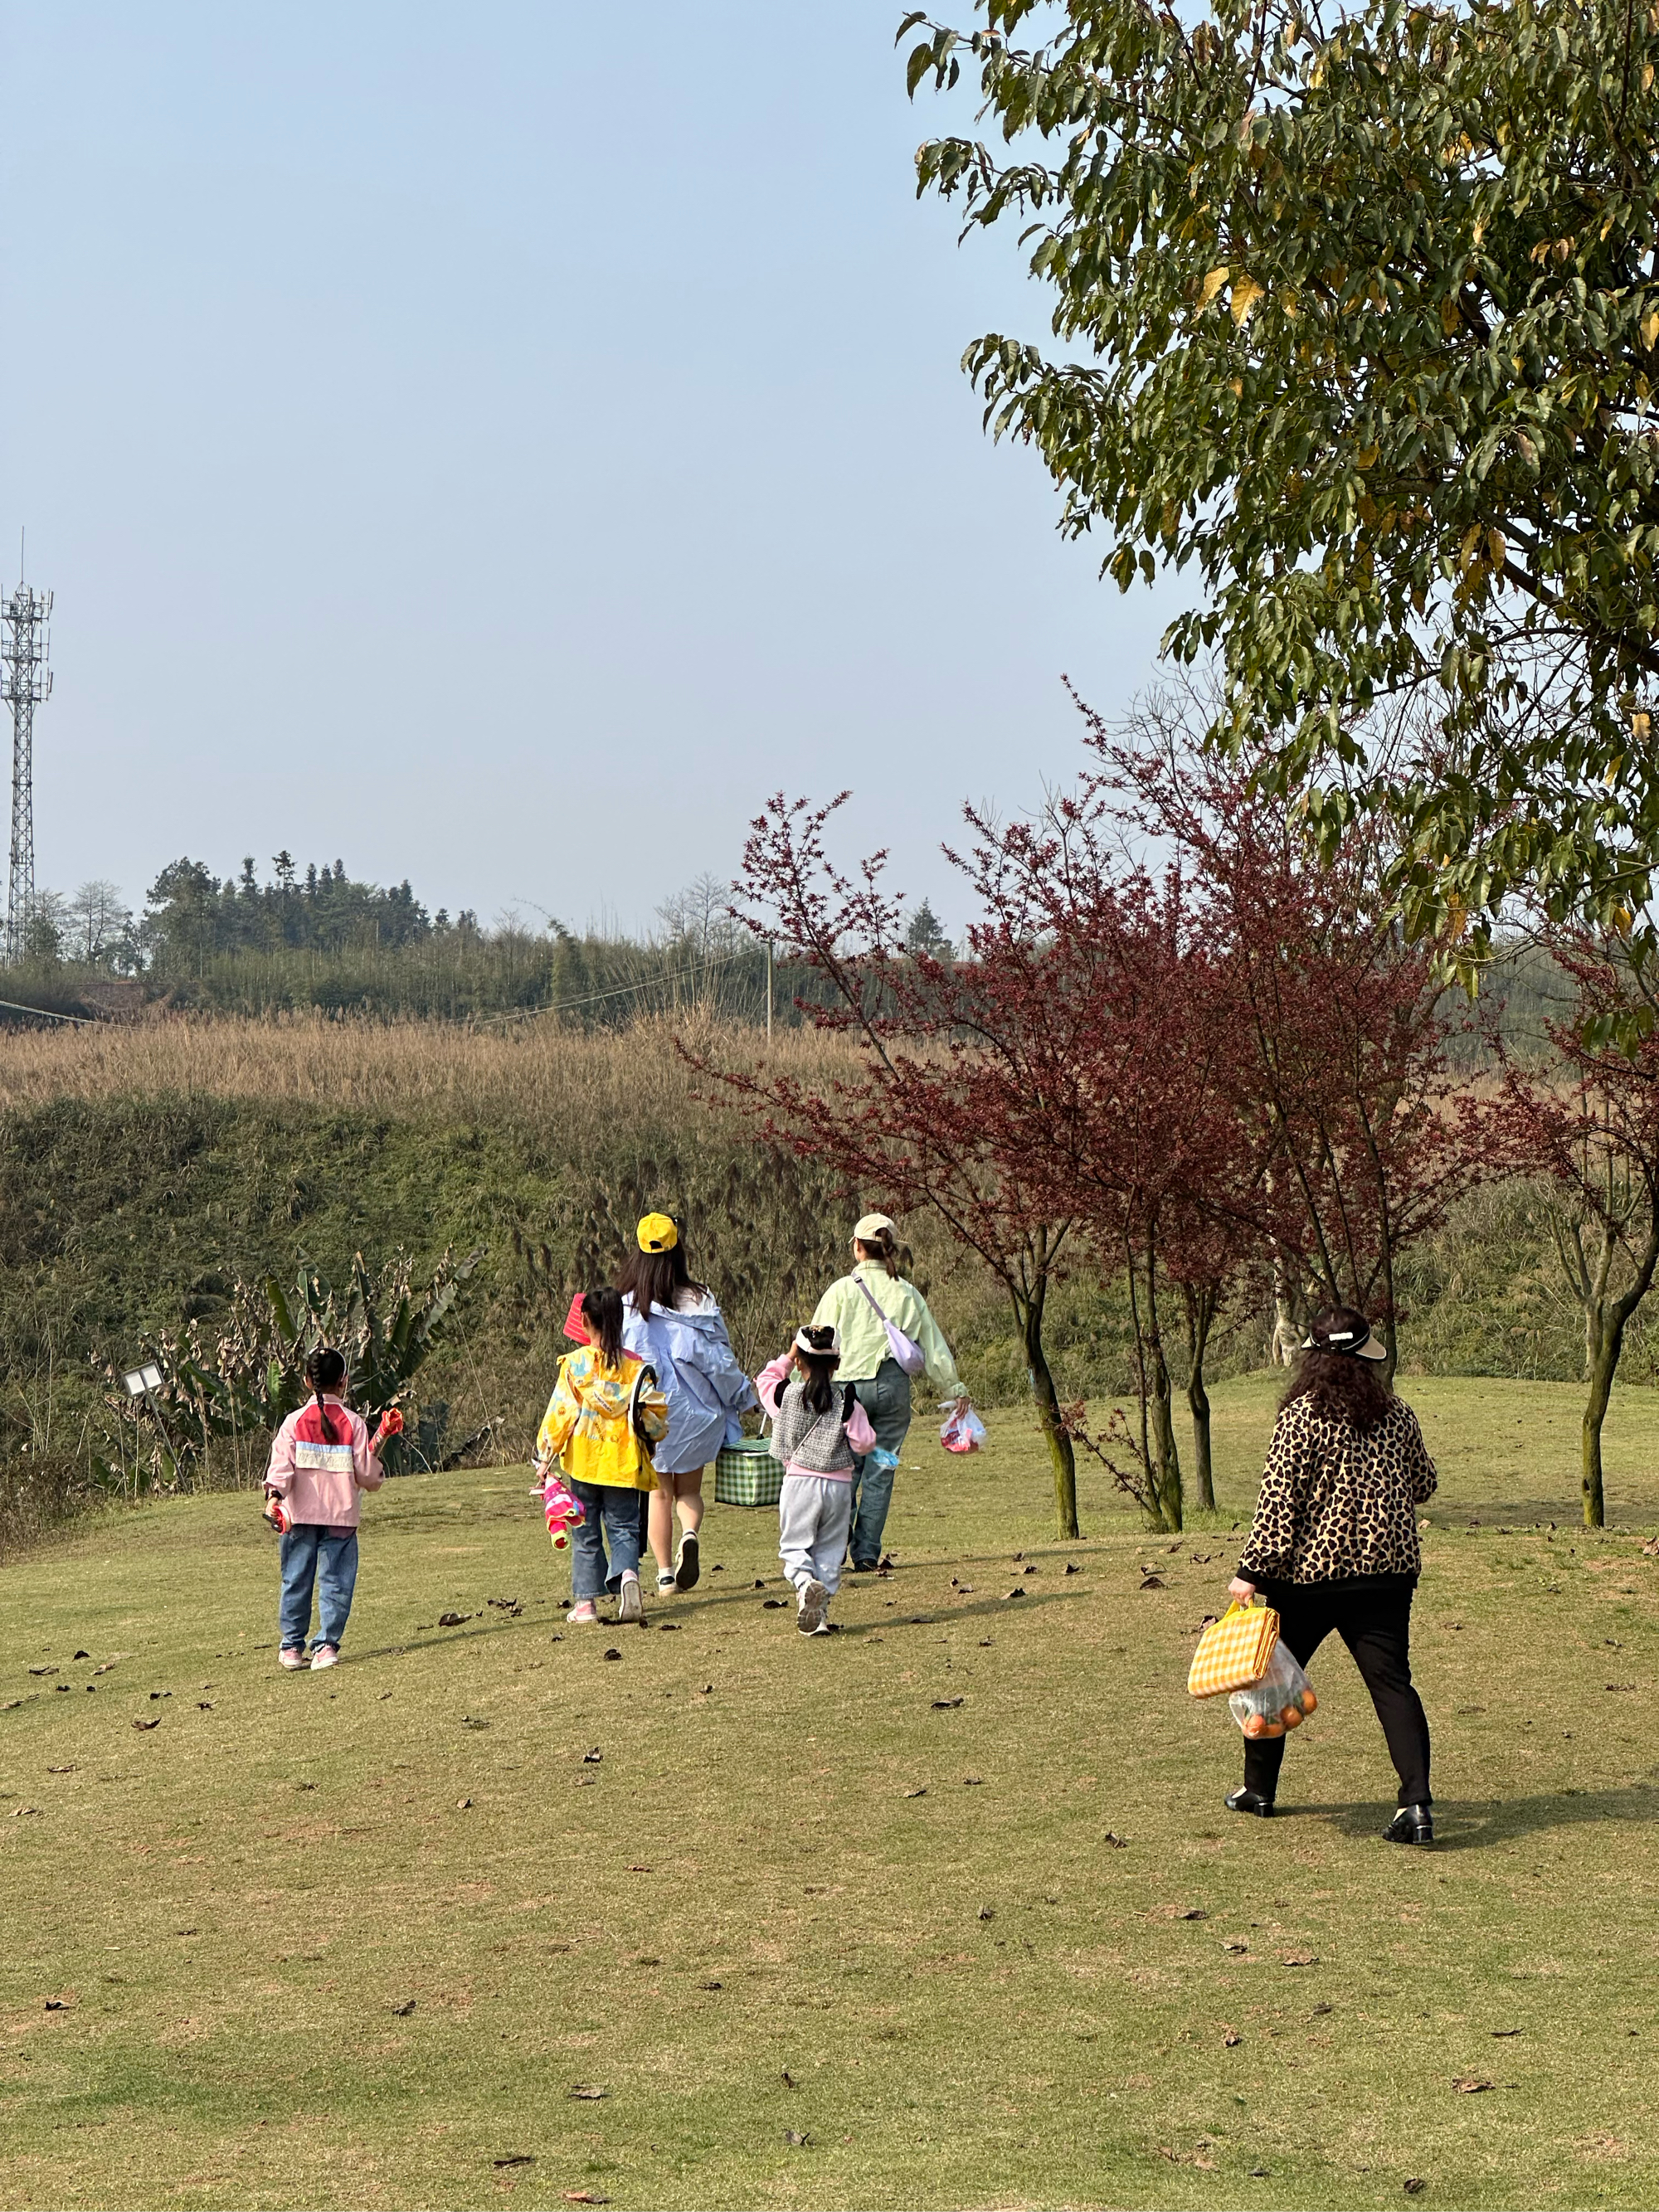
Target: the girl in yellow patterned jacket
pixel 605 1416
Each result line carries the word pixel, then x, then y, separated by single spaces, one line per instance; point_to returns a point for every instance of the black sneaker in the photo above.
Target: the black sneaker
pixel 1251 1801
pixel 1412 1824
pixel 687 1568
pixel 865 1566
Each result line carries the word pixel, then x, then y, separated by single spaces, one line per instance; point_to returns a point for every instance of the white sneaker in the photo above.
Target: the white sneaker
pixel 324 1656
pixel 814 1604
pixel 666 1585
pixel 630 1606
pixel 293 1658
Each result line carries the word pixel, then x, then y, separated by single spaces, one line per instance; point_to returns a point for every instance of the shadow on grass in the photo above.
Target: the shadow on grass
pixel 1477 1824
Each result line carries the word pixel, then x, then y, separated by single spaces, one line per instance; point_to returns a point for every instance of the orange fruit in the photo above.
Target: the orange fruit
pixel 1255 1725
pixel 1292 1717
pixel 1309 1702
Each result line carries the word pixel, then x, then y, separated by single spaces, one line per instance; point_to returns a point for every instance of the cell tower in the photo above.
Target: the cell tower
pixel 25 683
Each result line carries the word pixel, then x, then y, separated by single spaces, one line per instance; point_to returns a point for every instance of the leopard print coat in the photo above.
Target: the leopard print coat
pixel 1337 1501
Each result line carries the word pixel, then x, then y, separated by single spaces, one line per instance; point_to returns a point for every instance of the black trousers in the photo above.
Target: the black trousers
pixel 1372 1614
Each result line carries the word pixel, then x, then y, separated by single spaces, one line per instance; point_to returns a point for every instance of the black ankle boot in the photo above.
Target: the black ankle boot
pixel 1251 1801
pixel 1412 1824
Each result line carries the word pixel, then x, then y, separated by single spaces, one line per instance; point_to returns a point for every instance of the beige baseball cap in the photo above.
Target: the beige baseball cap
pixel 867 1229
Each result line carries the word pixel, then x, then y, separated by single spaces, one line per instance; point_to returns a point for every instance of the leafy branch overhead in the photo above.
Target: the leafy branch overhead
pixel 1357 311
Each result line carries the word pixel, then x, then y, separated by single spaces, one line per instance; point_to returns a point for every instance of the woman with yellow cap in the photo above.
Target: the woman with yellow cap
pixel 876 1316
pixel 672 1320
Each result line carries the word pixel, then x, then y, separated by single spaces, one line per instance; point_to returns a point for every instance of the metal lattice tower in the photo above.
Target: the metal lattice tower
pixel 25 683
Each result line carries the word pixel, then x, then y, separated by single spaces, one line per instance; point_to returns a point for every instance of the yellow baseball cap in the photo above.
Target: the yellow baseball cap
pixel 657 1233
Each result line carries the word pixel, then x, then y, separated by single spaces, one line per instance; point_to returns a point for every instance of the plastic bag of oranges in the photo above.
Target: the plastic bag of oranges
pixel 1282 1699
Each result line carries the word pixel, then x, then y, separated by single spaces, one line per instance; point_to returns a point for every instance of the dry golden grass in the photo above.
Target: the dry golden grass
pixel 534 1070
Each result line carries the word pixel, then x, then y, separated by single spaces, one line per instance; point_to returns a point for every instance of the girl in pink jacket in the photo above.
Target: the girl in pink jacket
pixel 321 1461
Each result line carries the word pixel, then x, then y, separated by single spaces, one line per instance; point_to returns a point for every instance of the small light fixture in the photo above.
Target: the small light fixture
pixel 139 1379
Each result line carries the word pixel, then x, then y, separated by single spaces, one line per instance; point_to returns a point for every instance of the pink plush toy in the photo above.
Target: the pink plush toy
pixel 563 1509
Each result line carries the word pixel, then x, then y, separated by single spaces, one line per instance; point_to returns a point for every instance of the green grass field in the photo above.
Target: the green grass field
pixel 822 1935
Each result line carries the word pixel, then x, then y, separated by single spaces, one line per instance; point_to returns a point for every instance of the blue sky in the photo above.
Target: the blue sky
pixel 500 446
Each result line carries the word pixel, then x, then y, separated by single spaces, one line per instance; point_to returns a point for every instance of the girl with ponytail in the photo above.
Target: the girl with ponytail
pixel 602 1424
pixel 321 1460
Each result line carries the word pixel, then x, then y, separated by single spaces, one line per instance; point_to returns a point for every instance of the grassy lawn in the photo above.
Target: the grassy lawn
pixel 950 1895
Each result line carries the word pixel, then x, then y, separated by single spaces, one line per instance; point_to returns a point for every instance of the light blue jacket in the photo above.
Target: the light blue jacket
pixel 698 1371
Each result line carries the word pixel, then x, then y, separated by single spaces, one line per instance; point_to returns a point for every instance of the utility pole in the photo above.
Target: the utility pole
pixel 768 990
pixel 25 685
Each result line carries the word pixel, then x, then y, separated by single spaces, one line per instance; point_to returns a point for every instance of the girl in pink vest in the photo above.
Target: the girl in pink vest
pixel 321 1461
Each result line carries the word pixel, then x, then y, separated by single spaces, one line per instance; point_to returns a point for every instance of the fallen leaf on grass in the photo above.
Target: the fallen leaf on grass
pixel 1013 1592
pixel 515 2158
pixel 760 1583
pixel 798 2138
pixel 922 1792
pixel 60 1770
pixel 43 1670
pixel 11 1704
pixel 789 2080
pixel 586 1781
pixel 1193 1912
pixel 1235 1947
pixel 585 2197
pixel 667 1627
pixel 946 1705
pixel 1471 2085
pixel 1154 1582
pixel 108 1668
pixel 610 1652
pixel 1232 2039
pixel 463 1804
pixel 156 1723
pixel 23 1812
pixel 583 2095
pixel 592 1758
pixel 1501 2032
pixel 1117 1843
pixel 1073 1568
pixel 973 1781
pixel 1317 2010
pixel 637 1867
pixel 987 1913
pixel 1298 1958
pixel 467 1721
pixel 709 1985
pixel 772 1605
pixel 1415 2186
pixel 403 2011
pixel 507 1604
pixel 83 1655
pixel 453 1619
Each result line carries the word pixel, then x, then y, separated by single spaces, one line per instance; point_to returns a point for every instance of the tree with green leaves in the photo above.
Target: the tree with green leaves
pixel 1358 309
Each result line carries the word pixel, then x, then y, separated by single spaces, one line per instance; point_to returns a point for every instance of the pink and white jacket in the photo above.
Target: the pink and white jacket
pixel 319 1480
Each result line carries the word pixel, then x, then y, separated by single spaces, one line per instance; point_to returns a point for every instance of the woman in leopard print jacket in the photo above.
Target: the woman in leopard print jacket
pixel 1333 1546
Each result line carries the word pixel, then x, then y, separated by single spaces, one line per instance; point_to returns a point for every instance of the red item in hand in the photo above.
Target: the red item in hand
pixel 391 1424
pixel 276 1516
pixel 574 1327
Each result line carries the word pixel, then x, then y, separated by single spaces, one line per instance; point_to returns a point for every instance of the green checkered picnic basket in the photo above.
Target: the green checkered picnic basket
pixel 745 1474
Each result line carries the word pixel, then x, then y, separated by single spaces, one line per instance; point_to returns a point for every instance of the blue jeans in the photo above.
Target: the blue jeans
pixel 311 1555
pixel 613 1513
pixel 886 1398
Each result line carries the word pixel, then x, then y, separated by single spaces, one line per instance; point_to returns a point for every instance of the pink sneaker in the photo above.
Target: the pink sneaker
pixel 324 1656
pixel 293 1659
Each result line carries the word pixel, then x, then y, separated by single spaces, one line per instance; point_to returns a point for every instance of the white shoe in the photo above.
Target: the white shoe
pixel 325 1656
pixel 293 1659
pixel 814 1604
pixel 630 1606
pixel 666 1585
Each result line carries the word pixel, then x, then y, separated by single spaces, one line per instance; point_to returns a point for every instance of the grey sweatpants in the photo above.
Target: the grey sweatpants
pixel 814 1515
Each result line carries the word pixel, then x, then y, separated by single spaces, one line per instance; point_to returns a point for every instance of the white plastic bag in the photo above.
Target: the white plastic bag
pixel 964 1431
pixel 1282 1699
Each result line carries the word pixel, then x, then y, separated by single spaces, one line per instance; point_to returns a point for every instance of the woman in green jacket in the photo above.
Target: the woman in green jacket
pixel 857 1308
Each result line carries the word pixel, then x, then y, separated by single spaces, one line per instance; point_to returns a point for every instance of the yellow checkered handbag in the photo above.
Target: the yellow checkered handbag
pixel 1234 1651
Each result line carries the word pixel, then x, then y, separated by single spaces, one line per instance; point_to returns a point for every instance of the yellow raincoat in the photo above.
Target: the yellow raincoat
pixel 601 1420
